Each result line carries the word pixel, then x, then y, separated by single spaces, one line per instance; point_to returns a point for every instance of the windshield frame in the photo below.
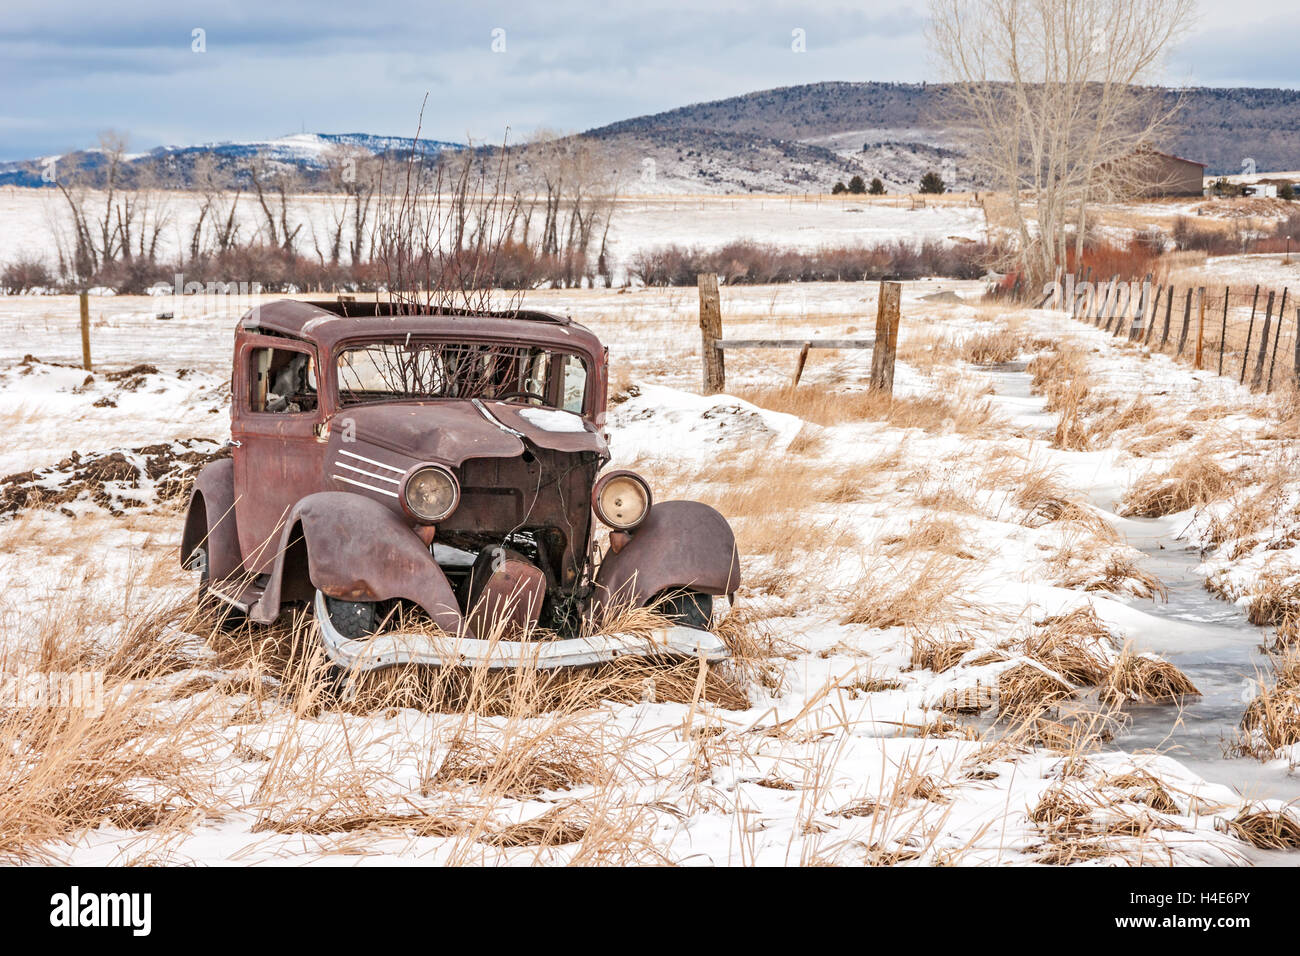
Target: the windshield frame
pixel 336 355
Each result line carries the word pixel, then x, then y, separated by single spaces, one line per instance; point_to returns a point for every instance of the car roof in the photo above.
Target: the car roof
pixel 328 323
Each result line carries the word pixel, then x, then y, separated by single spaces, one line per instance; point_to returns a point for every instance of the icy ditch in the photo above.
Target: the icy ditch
pixel 1210 640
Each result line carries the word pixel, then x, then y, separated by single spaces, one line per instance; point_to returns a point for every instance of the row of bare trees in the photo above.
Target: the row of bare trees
pixel 533 215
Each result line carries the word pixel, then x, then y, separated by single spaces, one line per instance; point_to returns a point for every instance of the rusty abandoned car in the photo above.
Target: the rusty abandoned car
pixel 443 468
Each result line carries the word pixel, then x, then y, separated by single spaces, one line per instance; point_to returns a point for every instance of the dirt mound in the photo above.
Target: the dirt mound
pixel 1248 207
pixel 117 480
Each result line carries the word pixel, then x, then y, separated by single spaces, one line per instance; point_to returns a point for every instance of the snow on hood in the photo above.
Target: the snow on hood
pixel 553 419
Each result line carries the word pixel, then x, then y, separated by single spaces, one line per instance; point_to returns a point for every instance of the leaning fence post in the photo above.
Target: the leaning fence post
pixel 1296 366
pixel 715 372
pixel 1155 311
pixel 1257 379
pixel 1140 317
pixel 1223 327
pixel 1281 311
pixel 85 331
pixel 1200 325
pixel 798 366
pixel 1187 321
pixel 886 344
pixel 1169 308
pixel 1250 330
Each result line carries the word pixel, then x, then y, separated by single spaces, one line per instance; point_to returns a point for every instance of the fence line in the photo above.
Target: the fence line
pixel 1187 317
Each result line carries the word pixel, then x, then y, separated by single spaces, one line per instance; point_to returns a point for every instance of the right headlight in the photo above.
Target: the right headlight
pixel 621 500
pixel 431 493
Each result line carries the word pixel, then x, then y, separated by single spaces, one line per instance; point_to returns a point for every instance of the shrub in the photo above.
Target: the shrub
pixel 932 183
pixel 23 275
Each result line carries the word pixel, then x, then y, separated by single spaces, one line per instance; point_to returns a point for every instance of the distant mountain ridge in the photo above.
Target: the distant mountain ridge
pixel 173 166
pixel 1221 127
pixel 792 139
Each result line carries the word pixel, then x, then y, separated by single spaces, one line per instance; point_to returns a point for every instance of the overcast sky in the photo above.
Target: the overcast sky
pixel 71 69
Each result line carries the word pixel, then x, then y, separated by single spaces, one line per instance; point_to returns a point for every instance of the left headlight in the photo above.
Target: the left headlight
pixel 621 500
pixel 431 493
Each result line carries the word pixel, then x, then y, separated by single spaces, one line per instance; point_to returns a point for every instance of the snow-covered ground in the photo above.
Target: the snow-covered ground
pixel 857 746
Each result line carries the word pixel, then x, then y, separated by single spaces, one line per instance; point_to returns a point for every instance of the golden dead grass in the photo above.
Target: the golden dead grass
pixel 1145 788
pixel 1026 688
pixel 1271 720
pixel 1137 677
pixel 1190 482
pixel 1086 563
pixel 525 764
pixel 922 590
pixel 1083 825
pixel 1075 645
pixel 994 348
pixel 1267 828
pixel 133 764
pixel 1275 600
pixel 961 413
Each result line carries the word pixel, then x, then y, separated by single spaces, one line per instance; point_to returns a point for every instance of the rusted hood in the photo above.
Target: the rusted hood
pixel 448 432
pixel 549 427
pixel 452 432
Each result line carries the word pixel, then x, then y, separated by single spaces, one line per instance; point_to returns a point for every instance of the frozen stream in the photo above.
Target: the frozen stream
pixel 1208 639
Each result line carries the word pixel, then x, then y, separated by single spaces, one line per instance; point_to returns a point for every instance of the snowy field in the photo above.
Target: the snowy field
pixel 951 635
pixel 34 218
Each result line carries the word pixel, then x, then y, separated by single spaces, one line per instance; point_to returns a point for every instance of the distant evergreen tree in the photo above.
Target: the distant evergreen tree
pixel 932 182
pixel 839 188
pixel 857 186
pixel 877 187
pixel 1286 191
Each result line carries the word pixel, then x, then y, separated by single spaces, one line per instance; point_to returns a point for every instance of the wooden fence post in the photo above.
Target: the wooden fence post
pixel 715 372
pixel 1200 325
pixel 85 331
pixel 1155 311
pixel 1187 321
pixel 798 366
pixel 1169 308
pixel 1250 330
pixel 1223 328
pixel 1140 318
pixel 1281 311
pixel 1296 367
pixel 1257 379
pixel 882 353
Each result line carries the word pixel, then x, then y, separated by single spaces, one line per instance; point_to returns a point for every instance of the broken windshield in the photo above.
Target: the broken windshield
pixel 415 370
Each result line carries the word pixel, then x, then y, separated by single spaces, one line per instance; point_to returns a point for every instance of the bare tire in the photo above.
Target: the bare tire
pixel 352 619
pixel 687 609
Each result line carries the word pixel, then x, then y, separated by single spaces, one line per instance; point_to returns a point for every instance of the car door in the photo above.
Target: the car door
pixel 276 450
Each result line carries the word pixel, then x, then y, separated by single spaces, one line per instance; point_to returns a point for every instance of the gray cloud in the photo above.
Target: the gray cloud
pixel 570 64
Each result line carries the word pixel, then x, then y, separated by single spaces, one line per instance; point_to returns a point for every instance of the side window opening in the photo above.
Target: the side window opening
pixel 281 381
pixel 574 384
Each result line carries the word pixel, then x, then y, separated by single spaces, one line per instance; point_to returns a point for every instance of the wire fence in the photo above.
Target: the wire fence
pixel 1250 333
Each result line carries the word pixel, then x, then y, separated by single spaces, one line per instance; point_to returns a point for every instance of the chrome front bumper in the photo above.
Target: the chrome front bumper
pixel 449 650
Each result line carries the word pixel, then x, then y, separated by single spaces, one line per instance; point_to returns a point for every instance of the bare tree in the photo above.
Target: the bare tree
pixel 274 185
pixel 1059 101
pixel 442 228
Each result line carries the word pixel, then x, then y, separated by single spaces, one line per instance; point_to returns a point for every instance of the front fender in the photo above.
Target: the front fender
pixel 681 544
pixel 210 521
pixel 353 548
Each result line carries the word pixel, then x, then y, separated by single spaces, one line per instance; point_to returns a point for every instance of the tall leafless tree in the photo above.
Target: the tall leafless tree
pixel 1058 99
